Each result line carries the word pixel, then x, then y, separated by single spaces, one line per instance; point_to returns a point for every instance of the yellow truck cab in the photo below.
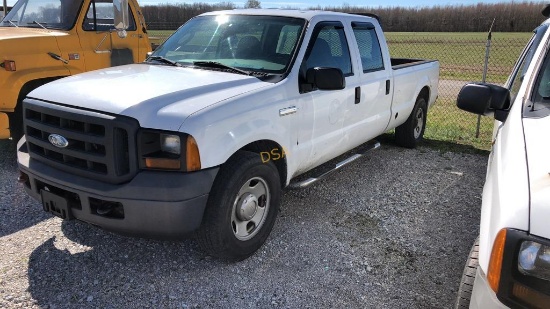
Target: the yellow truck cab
pixel 44 40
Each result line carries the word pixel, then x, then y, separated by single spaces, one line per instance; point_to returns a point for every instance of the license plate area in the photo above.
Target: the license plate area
pixel 55 204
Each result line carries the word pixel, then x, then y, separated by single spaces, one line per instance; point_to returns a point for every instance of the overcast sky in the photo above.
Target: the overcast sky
pixel 306 4
pixel 371 3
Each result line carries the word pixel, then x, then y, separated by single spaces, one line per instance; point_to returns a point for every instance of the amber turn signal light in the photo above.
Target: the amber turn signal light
pixel 192 156
pixel 163 163
pixel 495 263
pixel 9 65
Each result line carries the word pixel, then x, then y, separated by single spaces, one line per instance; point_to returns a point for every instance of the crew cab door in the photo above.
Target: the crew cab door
pixel 101 46
pixel 323 112
pixel 368 117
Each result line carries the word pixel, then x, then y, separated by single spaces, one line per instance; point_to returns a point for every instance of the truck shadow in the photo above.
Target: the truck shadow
pixel 443 146
pixel 84 269
pixel 17 210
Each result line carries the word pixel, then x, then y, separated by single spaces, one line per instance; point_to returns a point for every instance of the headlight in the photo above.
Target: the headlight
pixel 168 151
pixel 170 144
pixel 519 269
pixel 534 260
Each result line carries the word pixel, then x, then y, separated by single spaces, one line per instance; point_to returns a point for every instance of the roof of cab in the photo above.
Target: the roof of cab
pixel 305 14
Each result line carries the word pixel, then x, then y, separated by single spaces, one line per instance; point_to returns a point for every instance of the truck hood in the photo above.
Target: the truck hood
pixel 7 33
pixel 158 96
pixel 538 149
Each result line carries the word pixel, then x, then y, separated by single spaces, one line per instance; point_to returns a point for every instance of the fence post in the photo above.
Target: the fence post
pixel 485 68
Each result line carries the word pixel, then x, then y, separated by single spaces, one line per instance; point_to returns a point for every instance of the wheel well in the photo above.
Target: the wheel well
pixel 425 93
pixel 33 84
pixel 270 151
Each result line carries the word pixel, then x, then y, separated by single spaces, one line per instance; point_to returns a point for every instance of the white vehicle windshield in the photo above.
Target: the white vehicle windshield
pixel 50 14
pixel 235 43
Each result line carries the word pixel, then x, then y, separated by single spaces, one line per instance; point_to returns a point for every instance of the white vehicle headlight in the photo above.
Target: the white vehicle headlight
pixel 170 144
pixel 534 260
pixel 519 269
pixel 164 150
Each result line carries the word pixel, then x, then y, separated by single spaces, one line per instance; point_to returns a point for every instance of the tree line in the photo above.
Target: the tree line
pixel 507 16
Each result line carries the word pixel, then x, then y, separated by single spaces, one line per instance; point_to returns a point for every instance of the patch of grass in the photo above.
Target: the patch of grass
pixel 448 123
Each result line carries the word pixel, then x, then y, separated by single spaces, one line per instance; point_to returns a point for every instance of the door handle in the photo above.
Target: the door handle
pixel 388 86
pixel 357 95
pixel 288 111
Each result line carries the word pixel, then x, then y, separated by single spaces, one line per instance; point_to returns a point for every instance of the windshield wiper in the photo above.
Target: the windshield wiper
pixel 218 65
pixel 164 60
pixel 12 23
pixel 34 22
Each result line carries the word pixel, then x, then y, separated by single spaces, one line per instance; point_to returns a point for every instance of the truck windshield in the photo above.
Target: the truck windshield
pixel 50 14
pixel 234 43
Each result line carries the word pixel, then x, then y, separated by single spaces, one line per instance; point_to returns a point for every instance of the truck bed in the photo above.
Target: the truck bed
pixel 399 63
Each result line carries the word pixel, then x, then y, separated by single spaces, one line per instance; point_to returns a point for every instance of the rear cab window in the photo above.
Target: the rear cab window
pixel 369 46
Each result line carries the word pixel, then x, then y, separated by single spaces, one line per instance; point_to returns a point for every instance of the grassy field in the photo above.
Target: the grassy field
pixel 461 57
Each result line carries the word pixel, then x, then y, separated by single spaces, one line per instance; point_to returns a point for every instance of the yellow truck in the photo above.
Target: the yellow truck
pixel 44 40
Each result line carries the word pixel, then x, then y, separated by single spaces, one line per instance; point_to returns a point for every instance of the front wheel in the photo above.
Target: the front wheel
pixel 410 133
pixel 241 208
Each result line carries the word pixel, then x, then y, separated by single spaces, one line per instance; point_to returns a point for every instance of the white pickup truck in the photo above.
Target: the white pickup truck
pixel 509 264
pixel 203 135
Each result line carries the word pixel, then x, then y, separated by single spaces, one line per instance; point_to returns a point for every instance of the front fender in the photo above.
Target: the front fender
pixel 224 128
pixel 12 83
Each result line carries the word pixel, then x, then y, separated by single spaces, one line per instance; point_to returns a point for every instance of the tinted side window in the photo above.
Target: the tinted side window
pixel 330 49
pixel 369 46
pixel 104 17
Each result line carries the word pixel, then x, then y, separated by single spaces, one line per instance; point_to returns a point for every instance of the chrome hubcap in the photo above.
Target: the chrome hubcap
pixel 250 208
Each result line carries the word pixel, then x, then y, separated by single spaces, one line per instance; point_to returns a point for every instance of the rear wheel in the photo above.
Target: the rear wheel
pixel 468 276
pixel 410 133
pixel 241 208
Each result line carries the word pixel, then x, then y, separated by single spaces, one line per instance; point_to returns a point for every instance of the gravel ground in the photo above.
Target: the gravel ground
pixel 389 231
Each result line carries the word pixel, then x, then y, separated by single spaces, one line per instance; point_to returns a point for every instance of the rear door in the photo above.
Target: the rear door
pixel 370 114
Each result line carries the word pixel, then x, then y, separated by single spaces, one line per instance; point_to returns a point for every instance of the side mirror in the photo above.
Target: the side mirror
pixel 121 16
pixel 326 78
pixel 483 99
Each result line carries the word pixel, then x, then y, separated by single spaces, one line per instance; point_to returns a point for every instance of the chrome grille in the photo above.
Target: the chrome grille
pixel 100 146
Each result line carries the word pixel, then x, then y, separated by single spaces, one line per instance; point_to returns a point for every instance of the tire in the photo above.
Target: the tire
pixel 16 122
pixel 468 276
pixel 241 209
pixel 410 133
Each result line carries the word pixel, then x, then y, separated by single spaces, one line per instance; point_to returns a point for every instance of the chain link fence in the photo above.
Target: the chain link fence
pixel 462 58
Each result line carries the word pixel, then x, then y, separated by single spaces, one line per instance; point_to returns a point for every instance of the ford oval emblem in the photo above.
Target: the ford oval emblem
pixel 58 140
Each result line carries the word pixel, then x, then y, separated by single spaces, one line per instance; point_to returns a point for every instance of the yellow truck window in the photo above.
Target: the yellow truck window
pixel 100 17
pixel 51 14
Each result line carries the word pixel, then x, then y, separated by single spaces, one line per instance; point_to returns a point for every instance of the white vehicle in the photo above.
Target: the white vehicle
pixel 509 264
pixel 203 135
